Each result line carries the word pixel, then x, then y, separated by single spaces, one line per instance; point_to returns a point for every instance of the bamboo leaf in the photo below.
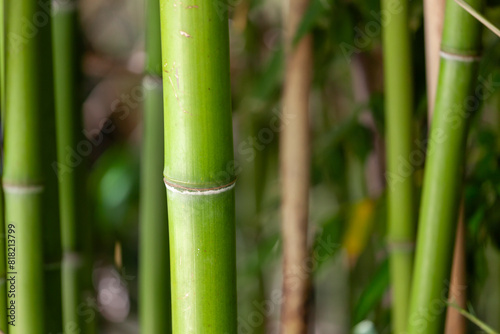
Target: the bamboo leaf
pixel 478 16
pixel 475 320
pixel 373 293
pixel 315 9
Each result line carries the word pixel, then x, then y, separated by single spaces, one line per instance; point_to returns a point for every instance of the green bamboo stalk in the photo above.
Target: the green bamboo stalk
pixel 398 115
pixel 2 58
pixel 3 267
pixel 198 166
pixel 3 270
pixel 455 101
pixel 154 283
pixel 30 185
pixel 71 178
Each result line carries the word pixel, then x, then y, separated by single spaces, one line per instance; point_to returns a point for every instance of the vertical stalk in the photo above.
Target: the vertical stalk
pixel 295 174
pixel 154 307
pixel 433 19
pixel 199 166
pixel 456 323
pixel 455 101
pixel 29 183
pixel 398 111
pixel 71 179
pixel 3 267
pixel 434 16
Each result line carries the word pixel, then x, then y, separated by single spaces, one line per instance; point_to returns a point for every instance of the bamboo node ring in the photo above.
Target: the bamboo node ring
pixel 22 189
pixel 199 191
pixel 459 57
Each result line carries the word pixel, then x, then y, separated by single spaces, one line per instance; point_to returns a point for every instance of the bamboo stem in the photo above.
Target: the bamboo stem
pixel 295 174
pixel 455 322
pixel 30 184
pixel 199 166
pixel 71 179
pixel 3 267
pixel 434 15
pixel 443 174
pixel 398 111
pixel 154 284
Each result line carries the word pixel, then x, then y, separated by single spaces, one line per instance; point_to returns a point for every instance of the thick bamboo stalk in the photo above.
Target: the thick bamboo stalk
pixel 199 166
pixel 2 58
pixel 30 184
pixel 3 267
pixel 455 101
pixel 398 111
pixel 3 270
pixel 433 17
pixel 295 174
pixel 154 279
pixel 71 178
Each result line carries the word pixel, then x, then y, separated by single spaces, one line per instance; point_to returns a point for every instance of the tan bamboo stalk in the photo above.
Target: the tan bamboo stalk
pixel 433 20
pixel 456 323
pixel 294 159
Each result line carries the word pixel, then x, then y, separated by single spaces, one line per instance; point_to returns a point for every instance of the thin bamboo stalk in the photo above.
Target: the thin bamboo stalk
pixel 455 322
pixel 71 179
pixel 295 174
pixel 460 48
pixel 30 184
pixel 199 166
pixel 154 293
pixel 398 111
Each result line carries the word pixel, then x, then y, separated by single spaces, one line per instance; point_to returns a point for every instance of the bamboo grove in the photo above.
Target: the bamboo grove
pixel 298 166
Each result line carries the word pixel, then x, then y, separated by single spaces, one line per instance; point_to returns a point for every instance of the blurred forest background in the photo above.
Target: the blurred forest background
pixel 347 199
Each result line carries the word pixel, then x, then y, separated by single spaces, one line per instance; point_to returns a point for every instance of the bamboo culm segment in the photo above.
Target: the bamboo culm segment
pixel 154 283
pixel 460 48
pixel 398 116
pixel 202 262
pixel 30 184
pixel 295 171
pixel 199 155
pixel 71 179
pixel 3 268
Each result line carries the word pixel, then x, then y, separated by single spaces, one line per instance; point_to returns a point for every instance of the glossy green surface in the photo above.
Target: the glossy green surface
pixel 202 252
pixel 199 154
pixel 3 291
pixel 198 136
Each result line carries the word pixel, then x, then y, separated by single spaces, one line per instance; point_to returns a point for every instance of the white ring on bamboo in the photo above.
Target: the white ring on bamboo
pixel 22 190
pixel 200 192
pixel 457 57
